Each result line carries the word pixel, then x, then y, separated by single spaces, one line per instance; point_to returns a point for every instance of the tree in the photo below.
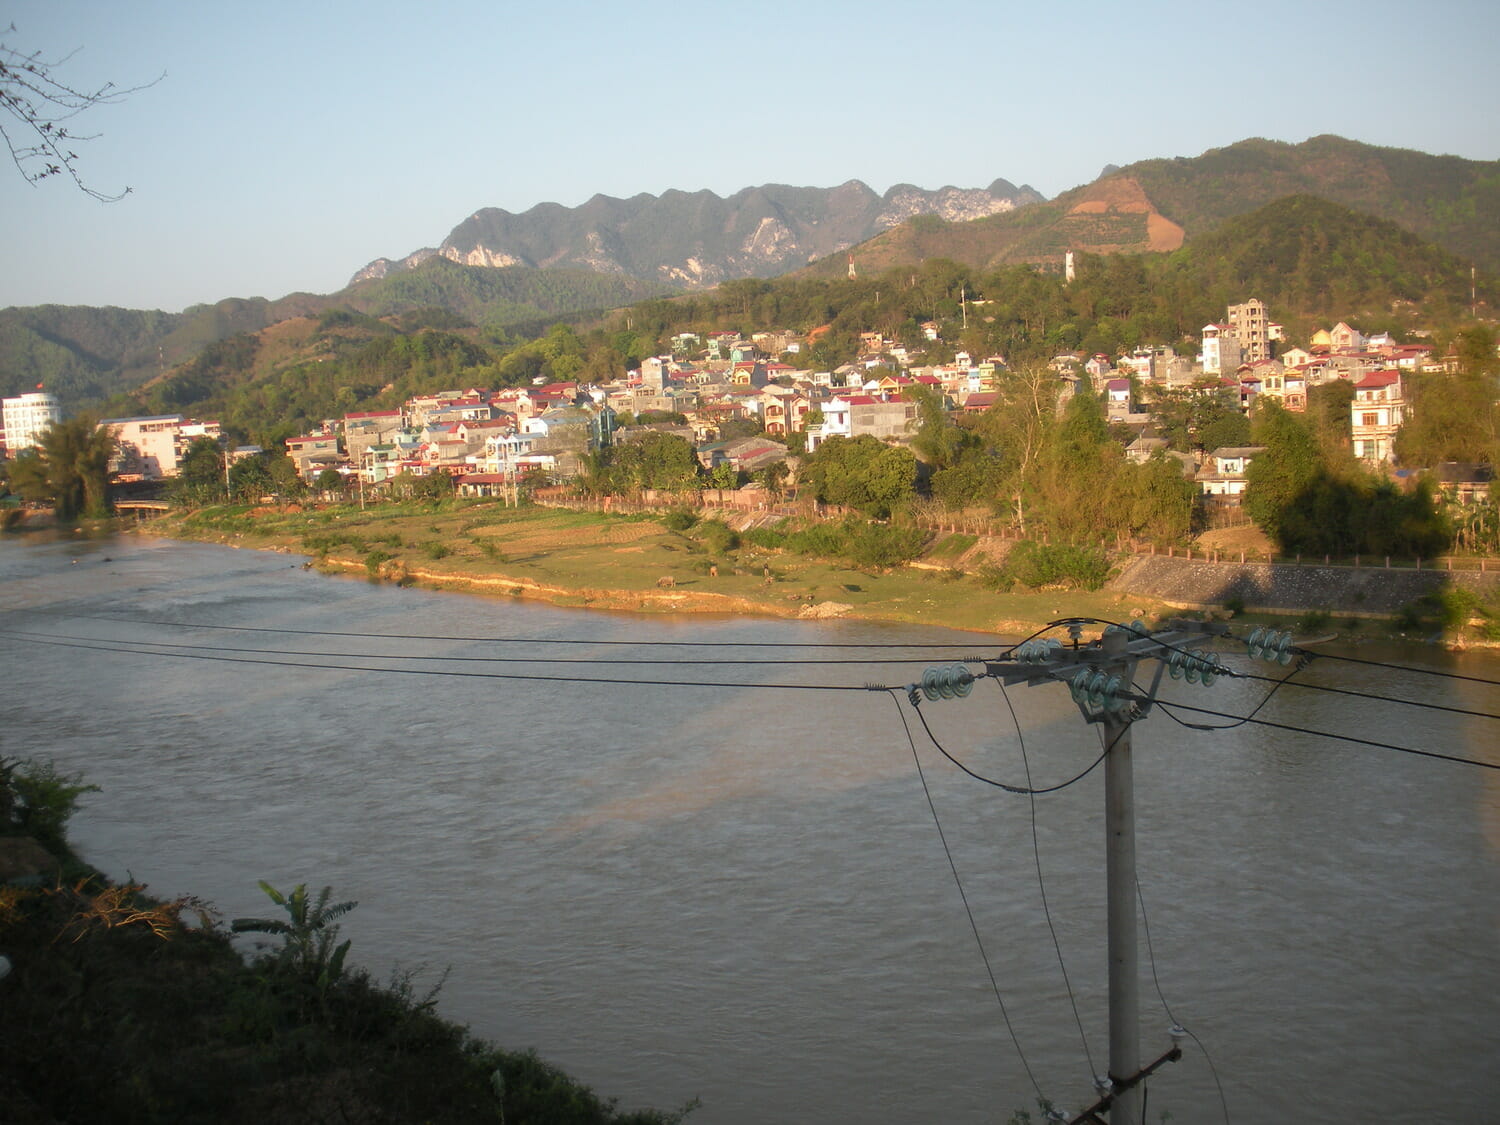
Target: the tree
pixel 35 108
pixel 200 473
pixel 330 480
pixel 70 468
pixel 1018 427
pixel 863 473
pixel 249 479
pixel 937 440
pixel 1280 477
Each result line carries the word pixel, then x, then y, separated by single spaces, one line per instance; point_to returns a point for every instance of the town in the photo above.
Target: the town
pixel 741 409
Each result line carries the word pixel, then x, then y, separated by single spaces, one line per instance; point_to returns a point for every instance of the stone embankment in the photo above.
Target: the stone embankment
pixel 1356 591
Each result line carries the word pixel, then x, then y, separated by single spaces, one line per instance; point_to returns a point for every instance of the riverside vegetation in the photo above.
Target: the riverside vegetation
pixel 689 561
pixel 789 567
pixel 124 1007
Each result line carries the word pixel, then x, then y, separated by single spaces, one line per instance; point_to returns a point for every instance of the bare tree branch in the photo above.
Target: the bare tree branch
pixel 35 107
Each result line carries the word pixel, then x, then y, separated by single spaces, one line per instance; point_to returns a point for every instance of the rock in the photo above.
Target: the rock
pixel 22 859
pixel 825 609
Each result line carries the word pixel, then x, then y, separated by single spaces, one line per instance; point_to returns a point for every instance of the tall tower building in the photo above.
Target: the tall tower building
pixel 1252 328
pixel 26 416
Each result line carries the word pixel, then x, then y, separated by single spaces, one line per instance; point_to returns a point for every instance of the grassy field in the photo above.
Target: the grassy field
pixel 636 563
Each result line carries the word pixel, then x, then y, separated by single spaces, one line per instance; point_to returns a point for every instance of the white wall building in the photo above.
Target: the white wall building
pixel 26 416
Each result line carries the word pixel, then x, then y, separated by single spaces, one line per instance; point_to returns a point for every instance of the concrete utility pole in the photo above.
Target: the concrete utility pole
pixel 1119 837
pixel 1101 676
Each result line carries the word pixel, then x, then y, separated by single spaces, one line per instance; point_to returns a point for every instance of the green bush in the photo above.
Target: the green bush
pixel 678 520
pixel 881 545
pixel 767 538
pixel 436 549
pixel 718 536
pixel 36 800
pixel 1039 564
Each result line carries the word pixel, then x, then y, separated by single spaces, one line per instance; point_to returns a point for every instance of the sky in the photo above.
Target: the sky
pixel 283 146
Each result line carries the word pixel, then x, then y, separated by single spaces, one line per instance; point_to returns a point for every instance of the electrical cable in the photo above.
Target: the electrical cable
pixel 325 666
pixel 500 640
pixel 1156 980
pixel 1241 721
pixel 1372 696
pixel 613 661
pixel 1167 709
pixel 1036 851
pixel 1408 668
pixel 973 924
pixel 1019 790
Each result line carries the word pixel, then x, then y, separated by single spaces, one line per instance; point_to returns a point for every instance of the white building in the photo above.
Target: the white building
pixel 1221 353
pixel 26 416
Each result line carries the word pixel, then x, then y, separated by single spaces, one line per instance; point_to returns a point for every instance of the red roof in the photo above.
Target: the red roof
pixel 1380 379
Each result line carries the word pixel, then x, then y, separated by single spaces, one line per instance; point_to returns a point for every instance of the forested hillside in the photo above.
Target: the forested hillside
pixel 1155 205
pixel 87 355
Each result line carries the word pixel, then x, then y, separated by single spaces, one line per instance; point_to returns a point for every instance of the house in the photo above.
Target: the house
pixel 786 412
pixel 366 428
pixel 1221 480
pixel 1465 482
pixel 1375 414
pixel 745 455
pixel 1117 399
pixel 1345 339
pixel 312 453
pixel 1288 386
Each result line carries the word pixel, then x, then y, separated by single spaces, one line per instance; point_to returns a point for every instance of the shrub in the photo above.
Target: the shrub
pixel 36 800
pixel 1038 564
pixel 767 538
pixel 880 545
pixel 718 536
pixel 436 549
pixel 678 520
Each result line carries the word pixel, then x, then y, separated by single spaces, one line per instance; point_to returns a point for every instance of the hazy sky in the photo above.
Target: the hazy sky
pixel 289 144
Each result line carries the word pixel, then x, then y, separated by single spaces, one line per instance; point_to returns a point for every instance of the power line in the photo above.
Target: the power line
pixel 973 924
pixel 1176 1023
pixel 855 645
pixel 1370 695
pixel 387 669
pixel 1408 668
pixel 1168 707
pixel 1041 882
pixel 1019 790
pixel 611 661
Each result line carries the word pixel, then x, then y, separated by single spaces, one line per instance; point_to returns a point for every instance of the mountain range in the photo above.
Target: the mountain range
pixel 686 240
pixel 506 273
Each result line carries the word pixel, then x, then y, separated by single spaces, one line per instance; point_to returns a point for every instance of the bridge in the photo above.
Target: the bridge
pixel 142 509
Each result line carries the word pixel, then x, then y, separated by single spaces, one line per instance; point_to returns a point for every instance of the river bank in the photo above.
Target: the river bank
pixel 635 563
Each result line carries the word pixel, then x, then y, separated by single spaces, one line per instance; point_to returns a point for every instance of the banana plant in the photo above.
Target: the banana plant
pixel 309 932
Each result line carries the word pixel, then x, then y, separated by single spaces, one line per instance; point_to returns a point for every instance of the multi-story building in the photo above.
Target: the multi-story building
pixel 1252 328
pixel 152 448
pixel 1378 409
pixel 1221 350
pixel 26 416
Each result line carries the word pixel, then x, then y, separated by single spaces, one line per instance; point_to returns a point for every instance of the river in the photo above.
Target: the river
pixel 738 892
